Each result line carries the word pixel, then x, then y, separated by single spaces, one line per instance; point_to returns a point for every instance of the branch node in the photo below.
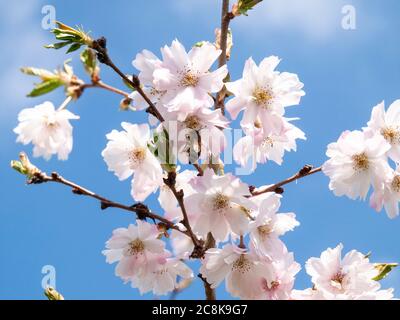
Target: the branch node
pixel 104 205
pixel 77 191
pixel 305 170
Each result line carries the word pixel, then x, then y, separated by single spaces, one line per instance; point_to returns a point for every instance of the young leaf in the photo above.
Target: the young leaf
pixel 88 58
pixel 74 47
pixel 242 6
pixel 42 73
pixel 45 87
pixel 384 269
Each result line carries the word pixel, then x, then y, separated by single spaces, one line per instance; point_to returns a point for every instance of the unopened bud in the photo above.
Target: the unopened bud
pixel 125 104
pixel 52 294
pixel 24 166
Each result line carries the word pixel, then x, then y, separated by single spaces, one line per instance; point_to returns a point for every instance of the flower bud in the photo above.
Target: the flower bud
pixel 52 294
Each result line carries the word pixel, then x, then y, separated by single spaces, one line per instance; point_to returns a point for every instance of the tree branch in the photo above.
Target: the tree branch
pixel 102 55
pixel 226 17
pixel 307 170
pixel 102 85
pixel 210 292
pixel 198 251
pixel 140 209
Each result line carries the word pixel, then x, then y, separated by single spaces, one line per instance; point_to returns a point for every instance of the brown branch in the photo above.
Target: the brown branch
pixel 226 17
pixel 140 209
pixel 307 170
pixel 198 251
pixel 102 55
pixel 210 292
pixel 102 85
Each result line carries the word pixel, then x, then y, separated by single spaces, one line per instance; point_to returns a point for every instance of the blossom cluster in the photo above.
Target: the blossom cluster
pixel 249 254
pixel 347 278
pixel 369 158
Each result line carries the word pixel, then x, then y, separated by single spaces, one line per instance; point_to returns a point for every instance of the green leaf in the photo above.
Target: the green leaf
pixel 245 5
pixel 384 269
pixel 45 87
pixel 74 47
pixel 69 36
pixel 88 58
pixel 19 167
pixel 57 45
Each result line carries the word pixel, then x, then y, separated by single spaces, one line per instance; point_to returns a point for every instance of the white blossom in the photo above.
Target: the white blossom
pixel 350 277
pixel 127 153
pixel 356 161
pixel 263 91
pixel 47 129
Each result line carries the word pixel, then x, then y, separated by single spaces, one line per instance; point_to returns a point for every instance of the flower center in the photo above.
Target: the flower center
pixel 192 122
pixel 267 142
pixel 189 79
pixel 262 97
pixel 136 247
pixel 242 264
pixel 396 183
pixel 51 123
pixel 391 135
pixel 264 230
pixel 137 156
pixel 337 280
pixel 360 162
pixel 220 202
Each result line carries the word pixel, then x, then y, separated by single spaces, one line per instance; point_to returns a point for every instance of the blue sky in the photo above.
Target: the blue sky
pixel 345 73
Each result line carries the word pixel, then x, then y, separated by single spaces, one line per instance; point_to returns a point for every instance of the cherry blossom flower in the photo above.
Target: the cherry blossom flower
pixel 127 153
pixel 161 276
pixel 187 75
pixel 389 196
pixel 132 247
pixel 219 205
pixel 263 145
pixel 279 280
pixel 356 161
pixel 243 271
pixel 350 277
pixel 263 91
pixel 47 129
pixel 269 225
pixel 198 135
pixel 387 124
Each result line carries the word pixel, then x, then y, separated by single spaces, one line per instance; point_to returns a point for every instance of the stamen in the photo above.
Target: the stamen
pixel 262 97
pixel 241 265
pixel 337 280
pixel 268 141
pixel 189 79
pixel 360 162
pixel 220 202
pixel 193 122
pixel 391 135
pixel 264 230
pixel 135 247
pixel 137 156
pixel 396 183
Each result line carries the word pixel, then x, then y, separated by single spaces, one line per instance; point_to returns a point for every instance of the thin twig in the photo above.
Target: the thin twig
pixel 179 195
pixel 307 170
pixel 102 55
pixel 105 86
pixel 140 209
pixel 226 17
